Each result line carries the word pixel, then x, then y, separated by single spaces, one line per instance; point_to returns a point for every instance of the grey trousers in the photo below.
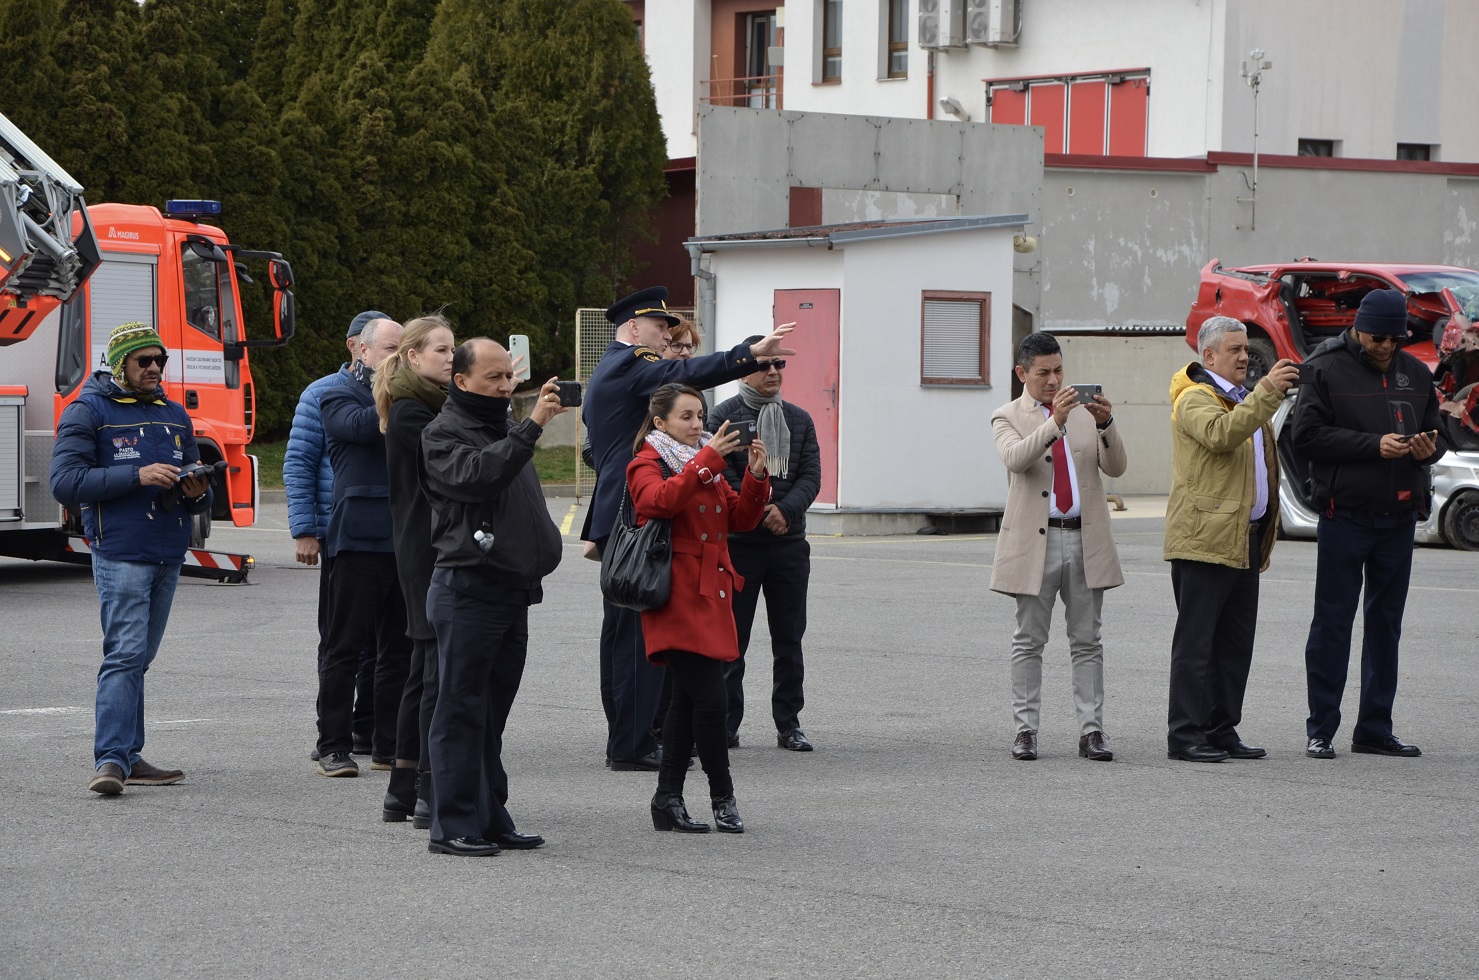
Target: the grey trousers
pixel 1063 574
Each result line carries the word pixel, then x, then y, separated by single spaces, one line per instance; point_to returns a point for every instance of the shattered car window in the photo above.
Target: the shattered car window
pixel 1465 286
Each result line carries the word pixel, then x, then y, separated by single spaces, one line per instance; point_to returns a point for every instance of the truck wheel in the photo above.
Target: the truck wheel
pixel 1262 355
pixel 200 529
pixel 1461 521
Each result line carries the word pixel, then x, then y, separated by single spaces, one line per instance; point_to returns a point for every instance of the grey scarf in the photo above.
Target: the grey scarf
pixel 772 429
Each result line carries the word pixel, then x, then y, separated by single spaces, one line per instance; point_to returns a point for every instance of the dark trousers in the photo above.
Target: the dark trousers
pixel 695 717
pixel 1212 648
pixel 630 686
pixel 364 678
pixel 366 609
pixel 1353 547
pixel 781 569
pixel 481 648
pixel 414 716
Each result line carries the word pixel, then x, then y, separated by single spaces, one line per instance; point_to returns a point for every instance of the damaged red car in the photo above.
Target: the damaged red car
pixel 1290 309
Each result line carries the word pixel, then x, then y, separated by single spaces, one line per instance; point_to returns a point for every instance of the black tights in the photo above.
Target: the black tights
pixel 695 717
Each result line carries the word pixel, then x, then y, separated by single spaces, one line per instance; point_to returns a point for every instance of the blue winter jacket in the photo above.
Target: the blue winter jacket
pixel 102 441
pixel 361 517
pixel 306 472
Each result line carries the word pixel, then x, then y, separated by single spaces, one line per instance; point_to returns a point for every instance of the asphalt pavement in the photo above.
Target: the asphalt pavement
pixel 909 844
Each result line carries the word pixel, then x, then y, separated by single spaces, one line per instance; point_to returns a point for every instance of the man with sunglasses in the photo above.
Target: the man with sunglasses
pixel 774 558
pixel 120 450
pixel 1368 423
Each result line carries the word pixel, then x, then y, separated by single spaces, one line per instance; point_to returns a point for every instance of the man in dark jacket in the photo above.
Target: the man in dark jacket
pixel 366 606
pixel 775 557
pixel 119 452
pixel 615 406
pixel 495 543
pixel 1368 424
pixel 308 479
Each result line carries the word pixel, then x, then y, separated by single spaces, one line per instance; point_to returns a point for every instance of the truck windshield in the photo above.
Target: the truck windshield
pixel 1465 286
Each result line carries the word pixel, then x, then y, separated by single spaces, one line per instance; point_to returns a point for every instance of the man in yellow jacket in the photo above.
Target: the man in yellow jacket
pixel 1221 521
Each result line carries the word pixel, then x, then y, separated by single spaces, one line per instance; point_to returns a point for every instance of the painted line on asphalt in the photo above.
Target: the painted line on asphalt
pixel 68 710
pixel 181 721
pixel 569 519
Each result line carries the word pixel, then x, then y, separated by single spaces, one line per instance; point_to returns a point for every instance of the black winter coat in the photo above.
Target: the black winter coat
pixel 797 491
pixel 476 479
pixel 1340 419
pixel 410 510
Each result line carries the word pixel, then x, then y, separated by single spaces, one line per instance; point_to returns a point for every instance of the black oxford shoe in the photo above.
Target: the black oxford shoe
pixel 515 841
pixel 1024 746
pixel 1197 753
pixel 1320 748
pixel 1241 750
pixel 1095 746
pixel 1391 745
pixel 647 763
pixel 464 847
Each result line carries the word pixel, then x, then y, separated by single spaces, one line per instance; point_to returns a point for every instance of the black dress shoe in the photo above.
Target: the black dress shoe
pixel 647 763
pixel 726 816
pixel 400 797
pixel 1095 746
pixel 464 847
pixel 1391 745
pixel 669 813
pixel 1024 746
pixel 795 740
pixel 1320 748
pixel 421 816
pixel 1241 750
pixel 1197 753
pixel 515 841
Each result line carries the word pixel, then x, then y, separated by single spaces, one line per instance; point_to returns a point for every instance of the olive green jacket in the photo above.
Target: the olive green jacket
pixel 1212 469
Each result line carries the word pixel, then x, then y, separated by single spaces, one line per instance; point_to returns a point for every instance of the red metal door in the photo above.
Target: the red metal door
pixel 812 374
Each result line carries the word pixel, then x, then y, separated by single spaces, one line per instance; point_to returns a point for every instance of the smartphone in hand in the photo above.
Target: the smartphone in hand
pixel 570 393
pixel 518 345
pixel 1086 393
pixel 746 432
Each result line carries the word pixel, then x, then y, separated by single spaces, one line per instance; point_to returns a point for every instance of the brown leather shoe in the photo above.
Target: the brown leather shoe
pixel 109 779
pixel 1096 747
pixel 143 774
pixel 1024 746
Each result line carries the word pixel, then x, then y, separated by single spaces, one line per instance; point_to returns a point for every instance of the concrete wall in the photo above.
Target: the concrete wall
pixel 677 32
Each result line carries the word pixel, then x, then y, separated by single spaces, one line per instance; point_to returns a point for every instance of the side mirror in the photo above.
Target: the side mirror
pixel 205 250
pixel 280 273
pixel 285 316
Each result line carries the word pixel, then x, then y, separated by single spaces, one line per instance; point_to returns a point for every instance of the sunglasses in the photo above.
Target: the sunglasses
pixel 151 360
pixel 779 365
pixel 1379 340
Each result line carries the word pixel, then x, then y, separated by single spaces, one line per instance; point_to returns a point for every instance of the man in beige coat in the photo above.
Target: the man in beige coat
pixel 1055 537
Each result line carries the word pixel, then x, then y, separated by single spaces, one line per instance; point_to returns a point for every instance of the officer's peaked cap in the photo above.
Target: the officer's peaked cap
pixel 651 301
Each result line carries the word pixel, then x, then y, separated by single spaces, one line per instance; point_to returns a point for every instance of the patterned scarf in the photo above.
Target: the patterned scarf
pixel 771 428
pixel 674 453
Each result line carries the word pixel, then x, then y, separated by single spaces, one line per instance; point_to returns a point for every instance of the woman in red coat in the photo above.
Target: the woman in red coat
pixel 694 633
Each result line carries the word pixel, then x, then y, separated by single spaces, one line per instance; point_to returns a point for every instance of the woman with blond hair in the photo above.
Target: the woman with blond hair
pixel 410 387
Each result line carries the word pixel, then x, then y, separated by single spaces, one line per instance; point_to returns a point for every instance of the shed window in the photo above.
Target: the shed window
pixel 955 337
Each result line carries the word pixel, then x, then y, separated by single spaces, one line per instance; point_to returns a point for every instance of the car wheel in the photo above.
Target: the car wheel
pixel 1461 521
pixel 1262 355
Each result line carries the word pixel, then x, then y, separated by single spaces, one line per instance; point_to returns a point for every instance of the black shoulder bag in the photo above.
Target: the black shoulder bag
pixel 637 563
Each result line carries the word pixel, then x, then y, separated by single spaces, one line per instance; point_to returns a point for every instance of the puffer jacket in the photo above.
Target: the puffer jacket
pixel 102 441
pixel 1212 470
pixel 306 472
pixel 798 489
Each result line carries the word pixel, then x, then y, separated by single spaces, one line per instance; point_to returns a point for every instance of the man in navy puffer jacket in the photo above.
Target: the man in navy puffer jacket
pixel 119 451
pixel 309 480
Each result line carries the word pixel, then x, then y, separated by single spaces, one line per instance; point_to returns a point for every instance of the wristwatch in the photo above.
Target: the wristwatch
pixel 1101 426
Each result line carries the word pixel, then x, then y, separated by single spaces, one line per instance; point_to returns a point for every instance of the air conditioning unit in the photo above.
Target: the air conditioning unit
pixel 991 22
pixel 942 23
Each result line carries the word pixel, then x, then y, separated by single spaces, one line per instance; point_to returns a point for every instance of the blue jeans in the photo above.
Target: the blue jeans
pixel 134 598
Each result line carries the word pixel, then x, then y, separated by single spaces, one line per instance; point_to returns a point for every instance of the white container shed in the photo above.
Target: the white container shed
pixel 904 342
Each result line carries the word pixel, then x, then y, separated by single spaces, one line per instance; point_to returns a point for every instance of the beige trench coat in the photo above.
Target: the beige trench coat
pixel 1025 441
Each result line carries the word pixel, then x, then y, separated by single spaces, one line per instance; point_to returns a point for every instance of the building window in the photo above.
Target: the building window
pixel 1317 148
pixel 955 338
pixel 898 38
pixel 831 40
pixel 1095 114
pixel 1414 151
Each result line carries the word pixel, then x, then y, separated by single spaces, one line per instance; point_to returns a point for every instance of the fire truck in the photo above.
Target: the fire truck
pixel 69 274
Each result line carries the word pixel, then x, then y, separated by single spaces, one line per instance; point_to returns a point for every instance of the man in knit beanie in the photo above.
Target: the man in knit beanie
pixel 136 337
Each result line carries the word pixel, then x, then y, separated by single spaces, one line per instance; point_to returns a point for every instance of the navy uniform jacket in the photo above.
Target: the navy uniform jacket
pixel 360 520
pixel 615 404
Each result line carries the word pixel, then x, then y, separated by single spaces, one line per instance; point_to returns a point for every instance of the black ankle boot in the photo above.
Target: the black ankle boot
pixel 726 816
pixel 421 816
pixel 400 798
pixel 669 813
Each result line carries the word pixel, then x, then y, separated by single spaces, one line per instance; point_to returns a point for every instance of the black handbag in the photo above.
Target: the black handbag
pixel 637 563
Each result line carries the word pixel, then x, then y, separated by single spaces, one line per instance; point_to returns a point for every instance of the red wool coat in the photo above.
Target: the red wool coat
pixel 704 509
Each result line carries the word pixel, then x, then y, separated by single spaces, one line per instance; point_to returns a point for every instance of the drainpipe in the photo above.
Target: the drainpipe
pixel 705 289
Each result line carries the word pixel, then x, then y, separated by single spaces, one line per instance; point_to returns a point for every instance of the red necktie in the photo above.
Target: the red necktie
pixel 1062 485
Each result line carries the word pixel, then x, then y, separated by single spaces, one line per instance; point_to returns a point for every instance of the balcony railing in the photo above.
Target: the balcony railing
pixel 754 92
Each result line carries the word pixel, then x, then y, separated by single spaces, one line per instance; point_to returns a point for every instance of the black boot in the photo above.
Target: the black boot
pixel 669 813
pixel 726 816
pixel 400 798
pixel 421 817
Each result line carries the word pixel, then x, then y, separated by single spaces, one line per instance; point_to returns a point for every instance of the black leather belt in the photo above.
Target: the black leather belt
pixel 1066 523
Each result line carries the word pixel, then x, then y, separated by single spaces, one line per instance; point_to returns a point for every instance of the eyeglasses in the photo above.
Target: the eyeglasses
pixel 776 365
pixel 680 348
pixel 151 360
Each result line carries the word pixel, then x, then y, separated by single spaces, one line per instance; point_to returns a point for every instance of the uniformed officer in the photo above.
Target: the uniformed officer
pixel 615 405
